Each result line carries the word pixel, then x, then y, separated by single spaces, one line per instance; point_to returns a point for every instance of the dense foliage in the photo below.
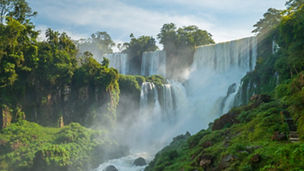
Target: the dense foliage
pixel 135 49
pixel 29 146
pixel 16 9
pixel 249 144
pixel 179 45
pixel 267 132
pixel 46 78
pixel 99 44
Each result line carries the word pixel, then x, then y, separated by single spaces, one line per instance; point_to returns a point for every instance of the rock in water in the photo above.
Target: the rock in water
pixel 111 168
pixel 140 162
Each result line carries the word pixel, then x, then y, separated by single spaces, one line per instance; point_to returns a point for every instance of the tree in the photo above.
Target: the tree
pixel 98 44
pixel 105 63
pixel 192 36
pixel 269 23
pixel 294 4
pixel 135 49
pixel 57 59
pixel 17 9
pixel 291 43
pixel 167 34
pixel 103 41
pixel 18 51
pixel 180 44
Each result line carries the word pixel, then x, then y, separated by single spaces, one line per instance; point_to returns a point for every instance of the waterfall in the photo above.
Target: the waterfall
pixel 149 101
pixel 216 68
pixel 118 61
pixel 153 63
pixel 238 54
pixel 172 109
pixel 167 100
pixel 275 47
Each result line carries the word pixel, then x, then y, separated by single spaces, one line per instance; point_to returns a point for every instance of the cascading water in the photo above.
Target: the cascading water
pixel 209 92
pixel 167 101
pixel 153 63
pixel 216 68
pixel 118 61
pixel 149 98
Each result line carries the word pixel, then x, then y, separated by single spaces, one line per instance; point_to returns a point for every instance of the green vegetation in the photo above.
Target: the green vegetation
pixel 47 83
pixel 100 43
pixel 179 45
pixel 16 9
pixel 267 133
pixel 130 89
pixel 135 49
pixel 29 146
pixel 257 139
pixel 58 81
pixel 283 65
pixel 46 79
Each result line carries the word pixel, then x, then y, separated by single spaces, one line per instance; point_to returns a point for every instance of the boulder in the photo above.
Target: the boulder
pixel 259 99
pixel 255 159
pixel 111 168
pixel 207 144
pixel 278 136
pixel 140 162
pixel 227 119
pixel 205 161
pixel 226 161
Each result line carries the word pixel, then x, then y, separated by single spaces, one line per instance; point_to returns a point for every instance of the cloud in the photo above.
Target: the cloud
pixel 115 15
pixel 74 36
pixel 121 17
pixel 228 5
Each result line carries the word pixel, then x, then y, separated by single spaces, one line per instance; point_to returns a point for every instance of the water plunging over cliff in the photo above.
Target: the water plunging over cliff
pixel 153 63
pixel 119 61
pixel 216 74
pixel 174 108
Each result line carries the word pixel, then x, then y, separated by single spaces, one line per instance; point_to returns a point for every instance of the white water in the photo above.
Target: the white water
pixel 215 68
pixel 173 109
pixel 153 63
pixel 118 61
pixel 125 163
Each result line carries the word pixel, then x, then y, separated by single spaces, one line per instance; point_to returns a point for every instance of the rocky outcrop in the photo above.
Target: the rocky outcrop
pixel 140 162
pixel 278 136
pixel 205 161
pixel 259 99
pixel 111 168
pixel 226 120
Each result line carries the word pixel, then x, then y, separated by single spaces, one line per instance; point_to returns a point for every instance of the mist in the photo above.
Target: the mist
pixel 206 91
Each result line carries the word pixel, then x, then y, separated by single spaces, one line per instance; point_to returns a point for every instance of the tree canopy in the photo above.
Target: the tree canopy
pixel 135 49
pixel 271 19
pixel 98 44
pixel 18 50
pixel 187 36
pixel 294 4
pixel 179 44
pixel 17 9
pixel 291 40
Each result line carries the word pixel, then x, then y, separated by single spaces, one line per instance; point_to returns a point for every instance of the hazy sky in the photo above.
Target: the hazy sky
pixel 224 19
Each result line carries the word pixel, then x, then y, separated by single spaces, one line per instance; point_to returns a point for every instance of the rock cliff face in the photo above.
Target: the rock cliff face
pixel 5 116
pixel 88 105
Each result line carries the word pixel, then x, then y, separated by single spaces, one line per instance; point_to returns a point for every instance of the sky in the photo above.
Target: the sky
pixel 224 19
